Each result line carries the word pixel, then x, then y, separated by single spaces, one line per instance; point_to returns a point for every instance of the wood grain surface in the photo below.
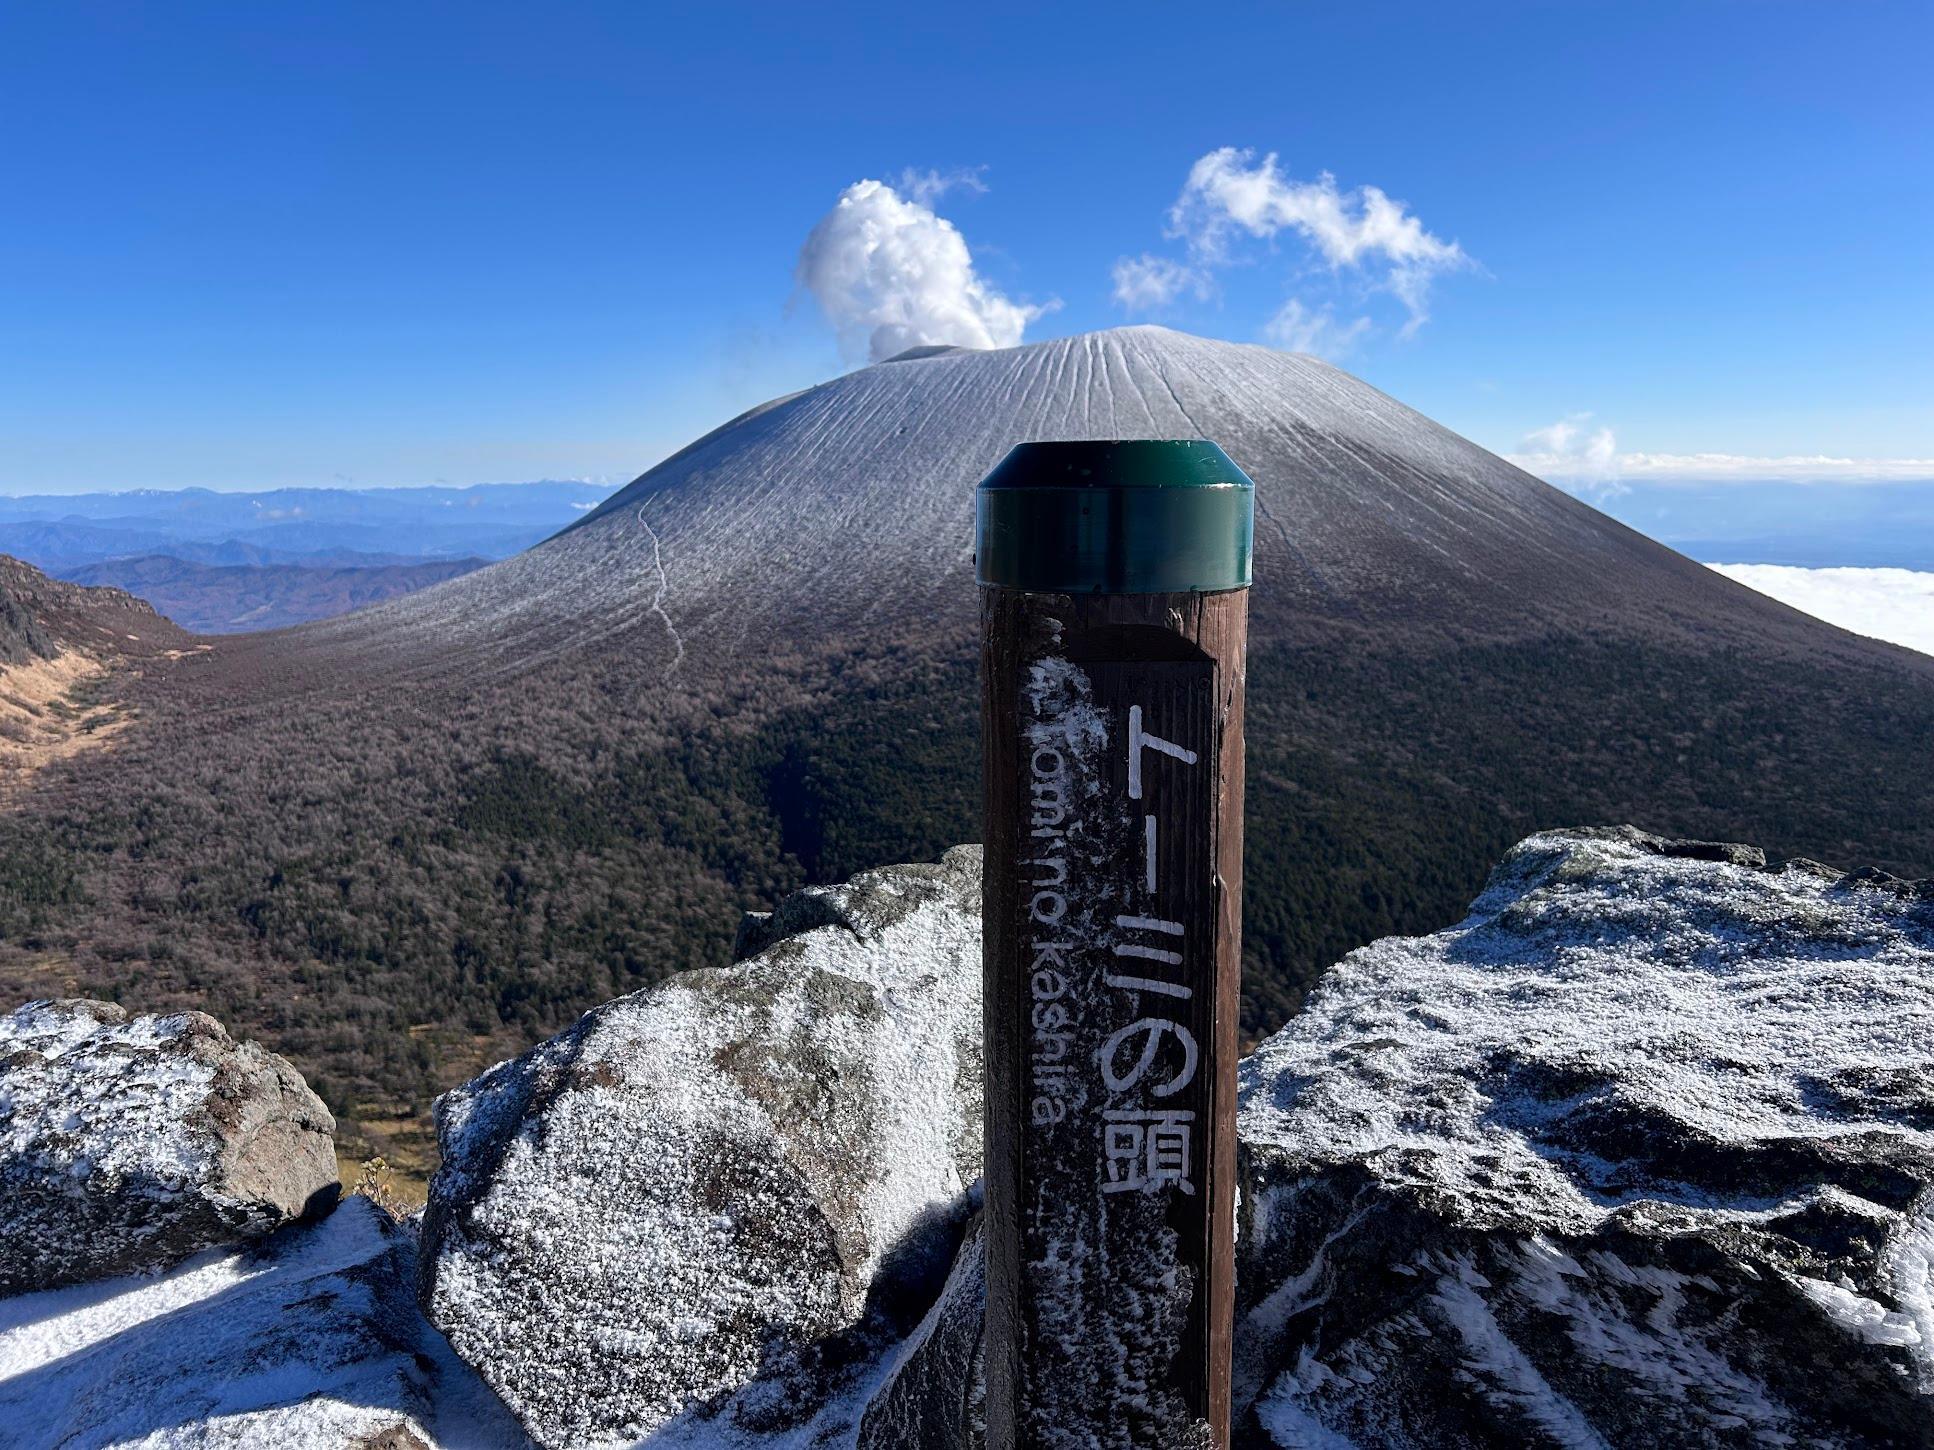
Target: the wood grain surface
pixel 1112 961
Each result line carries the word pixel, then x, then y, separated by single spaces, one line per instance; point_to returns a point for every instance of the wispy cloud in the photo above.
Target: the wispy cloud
pixel 1296 328
pixel 1585 458
pixel 1786 468
pixel 891 274
pixel 1148 283
pixel 929 185
pixel 1230 195
pixel 1573 453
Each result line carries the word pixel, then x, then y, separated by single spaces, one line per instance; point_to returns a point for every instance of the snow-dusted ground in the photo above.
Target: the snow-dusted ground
pixel 311 1340
pixel 1896 605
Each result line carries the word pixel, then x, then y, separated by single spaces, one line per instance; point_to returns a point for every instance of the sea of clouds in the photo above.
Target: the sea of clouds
pixel 1890 604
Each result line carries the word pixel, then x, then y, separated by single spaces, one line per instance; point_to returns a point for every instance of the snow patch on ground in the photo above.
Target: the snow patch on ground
pixel 311 1339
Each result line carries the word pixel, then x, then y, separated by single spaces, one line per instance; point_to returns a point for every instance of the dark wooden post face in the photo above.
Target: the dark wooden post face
pixel 1113 773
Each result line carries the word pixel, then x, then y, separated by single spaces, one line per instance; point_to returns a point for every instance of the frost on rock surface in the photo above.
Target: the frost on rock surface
pixel 129 1143
pixel 706 1211
pixel 307 1340
pixel 1640 1153
pixel 935 1390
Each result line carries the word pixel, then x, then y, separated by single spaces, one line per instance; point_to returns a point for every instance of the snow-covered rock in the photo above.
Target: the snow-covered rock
pixel 706 1211
pixel 1640 1153
pixel 307 1340
pixel 129 1143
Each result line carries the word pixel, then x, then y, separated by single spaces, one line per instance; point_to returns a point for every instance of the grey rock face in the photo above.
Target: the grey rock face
pixel 934 1395
pixel 704 1211
pixel 129 1143
pixel 1639 1154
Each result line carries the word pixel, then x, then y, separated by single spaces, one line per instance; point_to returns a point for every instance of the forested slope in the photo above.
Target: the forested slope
pixel 401 843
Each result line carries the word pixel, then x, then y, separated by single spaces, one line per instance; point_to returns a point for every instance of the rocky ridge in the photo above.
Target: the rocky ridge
pixel 41 618
pixel 1640 1153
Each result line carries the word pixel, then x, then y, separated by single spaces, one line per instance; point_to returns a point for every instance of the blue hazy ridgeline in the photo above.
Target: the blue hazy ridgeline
pixel 64 532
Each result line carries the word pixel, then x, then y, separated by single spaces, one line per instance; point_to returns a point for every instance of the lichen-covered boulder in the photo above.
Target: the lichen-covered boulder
pixel 706 1209
pixel 128 1143
pixel 1639 1154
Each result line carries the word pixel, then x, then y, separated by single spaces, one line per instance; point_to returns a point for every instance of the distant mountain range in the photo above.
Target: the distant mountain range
pixel 62 546
pixel 262 560
pixel 290 525
pixel 401 842
pixel 227 599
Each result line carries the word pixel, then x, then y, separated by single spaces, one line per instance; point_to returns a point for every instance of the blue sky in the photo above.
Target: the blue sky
pixel 253 246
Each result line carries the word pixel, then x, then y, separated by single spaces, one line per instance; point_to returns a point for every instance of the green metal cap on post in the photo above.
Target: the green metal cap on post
pixel 1136 516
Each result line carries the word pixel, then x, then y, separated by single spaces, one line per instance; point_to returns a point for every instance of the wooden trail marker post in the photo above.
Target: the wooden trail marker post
pixel 1114 584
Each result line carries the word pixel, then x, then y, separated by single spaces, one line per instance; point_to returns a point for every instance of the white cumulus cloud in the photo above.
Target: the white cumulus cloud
pixel 1147 283
pixel 1296 328
pixel 890 274
pixel 1891 604
pixel 1229 192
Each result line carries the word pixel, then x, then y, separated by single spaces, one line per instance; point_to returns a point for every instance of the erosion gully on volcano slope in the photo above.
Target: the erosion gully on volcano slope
pixel 399 843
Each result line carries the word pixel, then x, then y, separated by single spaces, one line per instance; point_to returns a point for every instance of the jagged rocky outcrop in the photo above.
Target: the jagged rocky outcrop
pixel 308 1340
pixel 705 1212
pixel 1639 1154
pixel 128 1143
pixel 41 618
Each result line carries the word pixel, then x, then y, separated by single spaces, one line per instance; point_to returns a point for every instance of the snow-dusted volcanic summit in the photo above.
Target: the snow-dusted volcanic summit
pixel 472 813
pixel 849 506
